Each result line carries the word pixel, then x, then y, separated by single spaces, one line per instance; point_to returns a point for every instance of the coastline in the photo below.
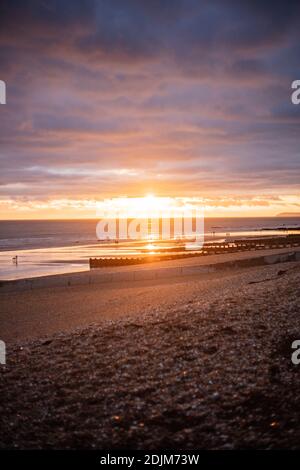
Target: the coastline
pixel 57 246
pixel 60 303
pixel 157 269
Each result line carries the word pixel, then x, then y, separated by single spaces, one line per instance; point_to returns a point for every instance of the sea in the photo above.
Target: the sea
pixel 31 248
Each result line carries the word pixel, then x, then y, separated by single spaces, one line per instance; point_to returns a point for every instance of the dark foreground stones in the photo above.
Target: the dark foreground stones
pixel 215 372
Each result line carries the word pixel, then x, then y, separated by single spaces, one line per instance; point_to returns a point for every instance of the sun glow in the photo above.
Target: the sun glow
pixel 149 206
pixel 151 247
pixel 80 208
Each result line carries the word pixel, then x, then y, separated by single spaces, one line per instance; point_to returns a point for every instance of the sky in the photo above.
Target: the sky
pixel 177 98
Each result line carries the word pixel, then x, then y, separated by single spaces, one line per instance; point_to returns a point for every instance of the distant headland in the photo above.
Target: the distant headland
pixel 288 214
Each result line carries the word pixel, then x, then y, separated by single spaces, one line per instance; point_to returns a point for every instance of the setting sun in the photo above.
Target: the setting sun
pixel 149 206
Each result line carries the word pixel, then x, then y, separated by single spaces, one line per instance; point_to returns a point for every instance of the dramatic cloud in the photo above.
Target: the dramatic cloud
pixel 176 97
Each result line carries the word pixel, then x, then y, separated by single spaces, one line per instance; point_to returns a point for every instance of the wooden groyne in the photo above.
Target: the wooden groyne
pixel 209 248
pixel 103 277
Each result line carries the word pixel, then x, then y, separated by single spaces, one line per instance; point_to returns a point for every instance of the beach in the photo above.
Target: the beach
pixel 149 232
pixel 50 247
pixel 201 361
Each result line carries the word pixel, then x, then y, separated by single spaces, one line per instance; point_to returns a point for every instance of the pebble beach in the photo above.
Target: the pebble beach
pixel 195 363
